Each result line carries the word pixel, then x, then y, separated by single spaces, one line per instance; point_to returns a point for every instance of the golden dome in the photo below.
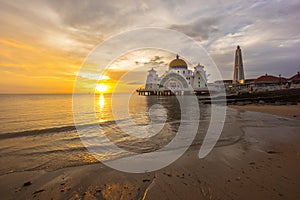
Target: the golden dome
pixel 177 64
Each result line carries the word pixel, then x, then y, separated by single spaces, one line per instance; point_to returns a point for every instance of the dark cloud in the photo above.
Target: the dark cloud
pixel 155 61
pixel 199 29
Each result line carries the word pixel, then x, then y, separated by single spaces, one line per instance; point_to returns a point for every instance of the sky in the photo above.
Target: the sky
pixel 44 43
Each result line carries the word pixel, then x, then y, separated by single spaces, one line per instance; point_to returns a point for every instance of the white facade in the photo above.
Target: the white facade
pixel 199 78
pixel 152 80
pixel 177 78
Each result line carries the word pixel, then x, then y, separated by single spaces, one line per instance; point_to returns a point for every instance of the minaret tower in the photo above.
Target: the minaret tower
pixel 152 80
pixel 238 71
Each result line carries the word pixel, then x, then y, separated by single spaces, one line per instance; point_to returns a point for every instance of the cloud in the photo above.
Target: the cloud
pixel 94 76
pixel 15 44
pixel 153 62
pixel 268 35
pixel 199 29
pixel 52 37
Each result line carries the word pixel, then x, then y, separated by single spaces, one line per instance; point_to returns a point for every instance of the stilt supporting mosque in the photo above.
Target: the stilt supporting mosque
pixel 144 92
pixel 157 93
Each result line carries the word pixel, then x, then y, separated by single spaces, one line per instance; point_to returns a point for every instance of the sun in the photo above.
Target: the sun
pixel 101 88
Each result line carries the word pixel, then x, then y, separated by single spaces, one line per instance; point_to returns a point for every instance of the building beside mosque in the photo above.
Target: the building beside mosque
pixel 238 71
pixel 177 80
pixel 180 80
pixel 239 84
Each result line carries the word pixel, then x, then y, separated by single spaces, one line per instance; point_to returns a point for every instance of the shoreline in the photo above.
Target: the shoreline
pixel 289 111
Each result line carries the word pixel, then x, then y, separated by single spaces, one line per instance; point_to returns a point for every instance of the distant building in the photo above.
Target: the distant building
pixel 295 79
pixel 238 70
pixel 263 83
pixel 269 79
pixel 178 79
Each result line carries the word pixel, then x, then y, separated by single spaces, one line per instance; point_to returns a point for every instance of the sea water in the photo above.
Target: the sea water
pixel 37 132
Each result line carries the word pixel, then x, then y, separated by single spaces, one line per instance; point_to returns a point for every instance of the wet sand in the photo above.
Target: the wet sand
pixel 290 111
pixel 263 164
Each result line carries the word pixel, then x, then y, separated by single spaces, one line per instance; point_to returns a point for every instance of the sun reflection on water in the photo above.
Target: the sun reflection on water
pixel 101 107
pixel 101 102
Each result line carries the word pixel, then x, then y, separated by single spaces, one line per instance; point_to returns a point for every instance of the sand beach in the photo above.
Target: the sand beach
pixel 262 164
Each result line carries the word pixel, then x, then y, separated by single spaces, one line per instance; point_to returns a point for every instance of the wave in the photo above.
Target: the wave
pixel 56 129
pixel 37 132
pixel 58 151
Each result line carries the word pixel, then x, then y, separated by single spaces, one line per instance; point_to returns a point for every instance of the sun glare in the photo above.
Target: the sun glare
pixel 101 88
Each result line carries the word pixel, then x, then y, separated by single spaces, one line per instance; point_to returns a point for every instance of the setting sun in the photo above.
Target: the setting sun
pixel 101 88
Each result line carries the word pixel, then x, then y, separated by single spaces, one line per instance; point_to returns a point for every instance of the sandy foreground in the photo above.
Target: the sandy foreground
pixel 263 164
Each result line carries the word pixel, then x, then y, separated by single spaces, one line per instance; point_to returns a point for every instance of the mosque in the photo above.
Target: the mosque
pixel 180 80
pixel 177 80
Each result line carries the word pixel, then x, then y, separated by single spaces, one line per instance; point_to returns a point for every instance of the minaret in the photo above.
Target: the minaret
pixel 238 71
pixel 152 80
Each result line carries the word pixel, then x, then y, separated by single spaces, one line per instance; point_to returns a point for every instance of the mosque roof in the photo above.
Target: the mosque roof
pixel 177 63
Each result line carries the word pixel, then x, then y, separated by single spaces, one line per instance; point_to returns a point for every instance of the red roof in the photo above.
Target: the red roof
pixel 295 77
pixel 270 79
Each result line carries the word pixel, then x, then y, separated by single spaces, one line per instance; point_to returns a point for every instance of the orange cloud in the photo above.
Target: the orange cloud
pixel 15 44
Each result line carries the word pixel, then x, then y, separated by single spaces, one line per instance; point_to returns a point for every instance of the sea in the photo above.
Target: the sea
pixel 37 132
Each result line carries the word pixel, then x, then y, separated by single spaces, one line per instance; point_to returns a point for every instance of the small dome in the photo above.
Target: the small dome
pixel 178 64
